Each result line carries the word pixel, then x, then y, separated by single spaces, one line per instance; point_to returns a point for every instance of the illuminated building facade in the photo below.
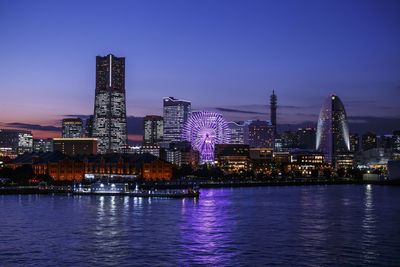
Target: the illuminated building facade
pixel 67 168
pixel 109 123
pixel 42 145
pixel 153 130
pixel 75 146
pixel 15 142
pixel 175 113
pixel 307 163
pixel 232 158
pixel 332 130
pixel 261 134
pixel 72 128
pixel 236 132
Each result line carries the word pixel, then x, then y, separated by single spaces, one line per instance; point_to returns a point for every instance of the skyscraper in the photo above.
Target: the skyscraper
pixel 273 105
pixel 236 132
pixel 109 124
pixel 72 128
pixel 176 113
pixel 332 130
pixel 153 129
pixel 261 134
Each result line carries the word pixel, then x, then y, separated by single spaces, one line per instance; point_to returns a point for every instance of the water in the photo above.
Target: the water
pixel 339 225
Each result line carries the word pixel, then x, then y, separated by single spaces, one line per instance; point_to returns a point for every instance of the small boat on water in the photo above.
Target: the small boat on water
pixel 107 188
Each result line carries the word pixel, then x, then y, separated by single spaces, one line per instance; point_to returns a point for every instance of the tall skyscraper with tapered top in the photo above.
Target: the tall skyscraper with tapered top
pixel 109 124
pixel 273 103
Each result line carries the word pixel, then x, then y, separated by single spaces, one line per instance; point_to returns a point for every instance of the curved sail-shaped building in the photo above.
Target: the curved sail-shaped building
pixel 332 130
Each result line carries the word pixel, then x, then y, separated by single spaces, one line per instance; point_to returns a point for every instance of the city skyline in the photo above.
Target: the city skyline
pixel 333 52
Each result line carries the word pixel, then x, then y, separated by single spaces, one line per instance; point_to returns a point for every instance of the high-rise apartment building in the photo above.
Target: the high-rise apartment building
pixel 72 128
pixel 109 124
pixel 153 129
pixel 176 112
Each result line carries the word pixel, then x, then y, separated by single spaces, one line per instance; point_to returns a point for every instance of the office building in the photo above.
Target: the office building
pixel 236 132
pixel 109 124
pixel 261 134
pixel 153 130
pixel 306 138
pixel 175 113
pixel 232 158
pixel 15 142
pixel 72 128
pixel 75 146
pixel 369 141
pixel 43 145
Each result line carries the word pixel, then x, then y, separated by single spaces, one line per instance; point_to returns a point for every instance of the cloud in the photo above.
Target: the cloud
pixel 240 111
pixel 28 126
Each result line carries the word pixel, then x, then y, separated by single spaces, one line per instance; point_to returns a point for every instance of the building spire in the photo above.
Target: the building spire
pixel 273 106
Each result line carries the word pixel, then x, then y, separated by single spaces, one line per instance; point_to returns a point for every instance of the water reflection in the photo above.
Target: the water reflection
pixel 368 226
pixel 206 231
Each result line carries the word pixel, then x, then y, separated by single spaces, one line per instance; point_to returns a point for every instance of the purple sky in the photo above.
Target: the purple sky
pixel 221 55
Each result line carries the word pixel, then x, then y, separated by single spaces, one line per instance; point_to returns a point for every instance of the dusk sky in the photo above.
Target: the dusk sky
pixel 224 56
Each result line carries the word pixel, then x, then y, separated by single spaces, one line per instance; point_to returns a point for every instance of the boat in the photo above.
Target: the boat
pixel 107 188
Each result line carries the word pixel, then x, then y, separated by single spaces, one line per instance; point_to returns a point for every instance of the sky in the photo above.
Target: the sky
pixel 225 56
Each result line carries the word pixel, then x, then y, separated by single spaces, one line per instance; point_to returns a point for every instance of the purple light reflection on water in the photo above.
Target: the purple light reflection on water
pixel 297 225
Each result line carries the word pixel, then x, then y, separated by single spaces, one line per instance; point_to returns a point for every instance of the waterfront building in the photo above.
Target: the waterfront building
pixel 75 146
pixel 273 106
pixel 261 134
pixel 354 142
pixel 43 145
pixel 306 163
pixel 332 130
pixel 232 158
pixel 344 160
pixel 385 141
pixel 68 168
pixel 261 160
pixel 72 128
pixel 175 113
pixel 109 124
pixel 393 167
pixel 369 141
pixel 236 132
pixel 153 130
pixel 157 170
pixel 15 142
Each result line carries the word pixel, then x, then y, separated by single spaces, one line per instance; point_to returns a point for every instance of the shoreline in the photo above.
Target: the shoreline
pixel 62 190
